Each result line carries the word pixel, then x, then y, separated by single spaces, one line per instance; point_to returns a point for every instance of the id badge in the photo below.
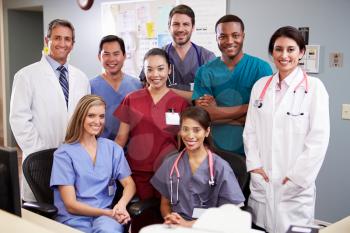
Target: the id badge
pixel 111 187
pixel 197 212
pixel 172 118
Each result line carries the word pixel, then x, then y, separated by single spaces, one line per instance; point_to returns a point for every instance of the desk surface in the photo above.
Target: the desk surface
pixel 342 226
pixel 31 222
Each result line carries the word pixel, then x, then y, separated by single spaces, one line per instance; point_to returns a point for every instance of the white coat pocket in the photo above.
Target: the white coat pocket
pixel 290 191
pixel 257 187
pixel 298 124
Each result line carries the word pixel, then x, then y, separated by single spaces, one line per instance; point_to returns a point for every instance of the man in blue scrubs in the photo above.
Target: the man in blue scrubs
pixel 185 56
pixel 112 85
pixel 223 85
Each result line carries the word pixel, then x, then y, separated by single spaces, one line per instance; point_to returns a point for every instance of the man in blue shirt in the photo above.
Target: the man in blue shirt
pixel 223 85
pixel 112 85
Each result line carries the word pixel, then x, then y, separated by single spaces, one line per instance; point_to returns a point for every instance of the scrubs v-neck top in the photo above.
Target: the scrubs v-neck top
pixel 72 165
pixel 194 189
pixel 113 98
pixel 150 138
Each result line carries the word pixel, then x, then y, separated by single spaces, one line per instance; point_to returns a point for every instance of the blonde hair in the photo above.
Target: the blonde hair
pixel 76 124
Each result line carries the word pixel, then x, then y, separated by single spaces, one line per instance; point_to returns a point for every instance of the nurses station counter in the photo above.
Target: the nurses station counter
pixel 31 222
pixel 342 226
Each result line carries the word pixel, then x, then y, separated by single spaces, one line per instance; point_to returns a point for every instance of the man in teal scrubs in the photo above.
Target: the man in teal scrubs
pixel 223 85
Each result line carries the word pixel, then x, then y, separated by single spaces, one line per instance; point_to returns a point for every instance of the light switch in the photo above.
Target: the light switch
pixel 345 115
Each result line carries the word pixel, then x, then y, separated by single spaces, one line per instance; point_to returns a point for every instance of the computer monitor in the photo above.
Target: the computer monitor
pixel 10 198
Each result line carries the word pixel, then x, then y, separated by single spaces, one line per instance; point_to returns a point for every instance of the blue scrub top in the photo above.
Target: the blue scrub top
pixel 113 98
pixel 72 165
pixel 229 88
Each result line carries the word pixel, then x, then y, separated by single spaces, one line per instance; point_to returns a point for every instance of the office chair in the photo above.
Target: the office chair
pixel 145 212
pixel 37 171
pixel 239 167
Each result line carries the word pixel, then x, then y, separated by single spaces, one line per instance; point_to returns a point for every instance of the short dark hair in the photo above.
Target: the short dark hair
pixel 289 32
pixel 60 22
pixel 157 52
pixel 229 18
pixel 182 9
pixel 112 38
pixel 202 117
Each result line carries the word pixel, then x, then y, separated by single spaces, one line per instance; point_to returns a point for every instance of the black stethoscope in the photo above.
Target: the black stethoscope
pixel 259 102
pixel 175 168
pixel 172 82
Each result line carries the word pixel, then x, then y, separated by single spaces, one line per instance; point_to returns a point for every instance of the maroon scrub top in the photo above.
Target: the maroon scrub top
pixel 150 139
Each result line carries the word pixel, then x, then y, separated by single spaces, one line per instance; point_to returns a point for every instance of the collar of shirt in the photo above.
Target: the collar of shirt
pixel 54 64
pixel 285 83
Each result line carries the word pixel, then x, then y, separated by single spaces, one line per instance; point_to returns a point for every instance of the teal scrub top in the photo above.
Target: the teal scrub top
pixel 229 88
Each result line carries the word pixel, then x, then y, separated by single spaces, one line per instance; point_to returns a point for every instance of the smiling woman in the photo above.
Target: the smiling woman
pixel 85 170
pixel 196 170
pixel 145 120
pixel 292 108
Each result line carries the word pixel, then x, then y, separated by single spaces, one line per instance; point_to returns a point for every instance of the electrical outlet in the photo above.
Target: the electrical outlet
pixel 345 115
pixel 336 60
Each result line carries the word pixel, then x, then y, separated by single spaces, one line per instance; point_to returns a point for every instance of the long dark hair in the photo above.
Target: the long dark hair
pixel 289 32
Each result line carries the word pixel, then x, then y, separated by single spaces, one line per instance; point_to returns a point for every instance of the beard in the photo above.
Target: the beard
pixel 182 42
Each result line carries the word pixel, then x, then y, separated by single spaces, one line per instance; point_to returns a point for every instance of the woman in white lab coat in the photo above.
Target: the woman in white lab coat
pixel 285 137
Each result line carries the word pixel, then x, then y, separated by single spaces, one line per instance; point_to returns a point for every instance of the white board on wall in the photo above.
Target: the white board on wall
pixel 143 25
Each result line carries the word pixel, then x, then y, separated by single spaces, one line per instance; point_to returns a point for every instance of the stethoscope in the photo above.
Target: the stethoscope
pixel 259 102
pixel 175 168
pixel 172 82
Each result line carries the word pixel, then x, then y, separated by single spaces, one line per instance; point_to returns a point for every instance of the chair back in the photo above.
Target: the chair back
pixel 37 171
pixel 238 165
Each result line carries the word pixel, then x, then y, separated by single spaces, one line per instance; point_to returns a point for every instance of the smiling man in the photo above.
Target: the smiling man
pixel 44 95
pixel 223 86
pixel 185 56
pixel 112 85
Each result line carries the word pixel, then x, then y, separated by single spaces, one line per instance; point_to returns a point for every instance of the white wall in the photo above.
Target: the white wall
pixel 328 22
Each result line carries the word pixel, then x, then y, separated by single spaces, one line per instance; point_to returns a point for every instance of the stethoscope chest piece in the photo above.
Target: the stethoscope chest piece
pixel 258 103
pixel 212 182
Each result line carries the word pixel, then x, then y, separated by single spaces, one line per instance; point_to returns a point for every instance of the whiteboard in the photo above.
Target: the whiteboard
pixel 143 25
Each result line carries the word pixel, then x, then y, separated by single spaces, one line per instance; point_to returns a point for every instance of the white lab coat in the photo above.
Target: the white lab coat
pixel 286 146
pixel 38 111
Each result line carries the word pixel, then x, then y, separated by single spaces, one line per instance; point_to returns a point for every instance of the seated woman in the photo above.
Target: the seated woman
pixel 195 179
pixel 85 170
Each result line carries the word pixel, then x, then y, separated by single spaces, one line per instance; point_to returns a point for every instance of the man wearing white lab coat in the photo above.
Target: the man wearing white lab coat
pixel 289 141
pixel 39 110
